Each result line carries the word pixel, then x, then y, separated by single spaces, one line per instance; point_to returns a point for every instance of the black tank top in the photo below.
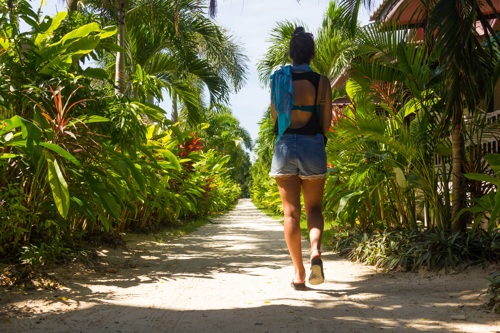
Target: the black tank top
pixel 312 127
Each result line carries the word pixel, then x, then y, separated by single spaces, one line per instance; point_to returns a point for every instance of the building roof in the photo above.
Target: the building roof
pixel 412 12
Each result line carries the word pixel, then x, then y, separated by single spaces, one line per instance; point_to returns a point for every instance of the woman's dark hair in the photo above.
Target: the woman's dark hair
pixel 301 46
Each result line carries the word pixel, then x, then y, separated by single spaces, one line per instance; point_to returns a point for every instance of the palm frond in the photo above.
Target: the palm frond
pixel 277 53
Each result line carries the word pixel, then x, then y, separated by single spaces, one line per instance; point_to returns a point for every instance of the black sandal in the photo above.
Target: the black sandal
pixel 298 286
pixel 317 276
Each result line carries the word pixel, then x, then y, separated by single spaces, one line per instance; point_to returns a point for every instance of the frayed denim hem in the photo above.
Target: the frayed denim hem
pixel 320 176
pixel 279 175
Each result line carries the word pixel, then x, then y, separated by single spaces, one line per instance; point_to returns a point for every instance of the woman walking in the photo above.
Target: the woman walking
pixel 301 106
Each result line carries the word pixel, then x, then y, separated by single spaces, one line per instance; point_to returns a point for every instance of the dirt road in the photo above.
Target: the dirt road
pixel 234 276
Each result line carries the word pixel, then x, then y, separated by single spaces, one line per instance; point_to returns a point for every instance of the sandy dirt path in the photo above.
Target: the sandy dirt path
pixel 234 276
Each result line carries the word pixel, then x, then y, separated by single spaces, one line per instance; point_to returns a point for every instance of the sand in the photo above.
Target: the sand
pixel 234 275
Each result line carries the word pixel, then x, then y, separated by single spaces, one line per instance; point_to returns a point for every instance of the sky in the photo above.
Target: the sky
pixel 250 23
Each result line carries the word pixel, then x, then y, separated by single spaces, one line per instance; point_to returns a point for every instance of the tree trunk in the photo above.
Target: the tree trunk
pixel 72 5
pixel 175 111
pixel 458 180
pixel 120 56
pixel 14 19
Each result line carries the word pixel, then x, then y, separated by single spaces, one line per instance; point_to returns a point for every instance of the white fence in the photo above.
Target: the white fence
pixel 490 142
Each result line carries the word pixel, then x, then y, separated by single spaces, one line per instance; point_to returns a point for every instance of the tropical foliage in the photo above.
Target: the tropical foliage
pixel 410 184
pixel 391 149
pixel 78 161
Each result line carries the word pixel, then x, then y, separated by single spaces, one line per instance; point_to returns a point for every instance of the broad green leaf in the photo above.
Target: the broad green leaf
pixel 8 155
pixel 80 32
pixel 61 151
pixel 494 161
pixel 58 184
pixel 93 119
pixel 483 178
pixel 56 22
pixel 83 45
pixel 108 32
pixel 496 208
pixel 12 123
pixel 17 143
pixel 96 73
pixel 136 174
pixel 345 199
pixel 114 47
pixel 107 200
pixel 174 160
pixel 400 178
pixel 84 207
pixel 57 64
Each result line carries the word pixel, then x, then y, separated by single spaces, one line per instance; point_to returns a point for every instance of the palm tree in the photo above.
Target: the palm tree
pixel 186 55
pixel 118 11
pixel 334 47
pixel 465 66
pixel 384 151
pixel 178 45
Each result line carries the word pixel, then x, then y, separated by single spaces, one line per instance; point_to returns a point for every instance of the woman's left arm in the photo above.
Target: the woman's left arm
pixel 326 105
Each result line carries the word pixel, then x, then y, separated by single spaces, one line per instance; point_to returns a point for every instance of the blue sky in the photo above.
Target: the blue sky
pixel 250 22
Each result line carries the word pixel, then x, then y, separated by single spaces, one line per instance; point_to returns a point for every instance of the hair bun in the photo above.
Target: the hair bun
pixel 299 30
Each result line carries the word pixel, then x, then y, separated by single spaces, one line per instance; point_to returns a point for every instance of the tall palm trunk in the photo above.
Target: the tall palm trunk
pixel 14 19
pixel 458 189
pixel 175 111
pixel 72 5
pixel 120 56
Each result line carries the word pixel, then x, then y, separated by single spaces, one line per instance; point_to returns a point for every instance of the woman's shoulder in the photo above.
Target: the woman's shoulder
pixel 323 79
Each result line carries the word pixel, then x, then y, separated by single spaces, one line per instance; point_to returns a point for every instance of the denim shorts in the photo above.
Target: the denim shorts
pixel 299 155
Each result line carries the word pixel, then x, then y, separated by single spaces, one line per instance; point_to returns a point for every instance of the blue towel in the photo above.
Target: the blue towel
pixel 282 94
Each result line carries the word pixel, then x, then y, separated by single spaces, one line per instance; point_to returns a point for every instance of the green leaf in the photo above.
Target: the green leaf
pixel 483 178
pixel 346 198
pixel 61 151
pixel 136 174
pixel 92 119
pixel 58 184
pixel 84 45
pixel 496 209
pixel 7 155
pixel 80 32
pixel 174 160
pixel 57 63
pixel 55 23
pixel 84 207
pixel 400 178
pixel 95 73
pixel 107 32
pixel 494 161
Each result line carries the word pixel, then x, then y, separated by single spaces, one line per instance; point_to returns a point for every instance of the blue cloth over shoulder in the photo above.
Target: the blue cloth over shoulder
pixel 282 94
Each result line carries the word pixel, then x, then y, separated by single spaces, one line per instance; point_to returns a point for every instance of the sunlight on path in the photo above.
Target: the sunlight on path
pixel 234 275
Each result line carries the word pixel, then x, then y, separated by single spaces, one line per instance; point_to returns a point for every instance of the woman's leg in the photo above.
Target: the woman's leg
pixel 289 188
pixel 313 189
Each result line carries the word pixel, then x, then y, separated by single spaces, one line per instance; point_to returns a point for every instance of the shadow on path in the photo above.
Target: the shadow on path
pixel 233 276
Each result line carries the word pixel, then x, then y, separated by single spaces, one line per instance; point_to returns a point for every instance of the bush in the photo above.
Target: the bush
pixel 494 292
pixel 413 250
